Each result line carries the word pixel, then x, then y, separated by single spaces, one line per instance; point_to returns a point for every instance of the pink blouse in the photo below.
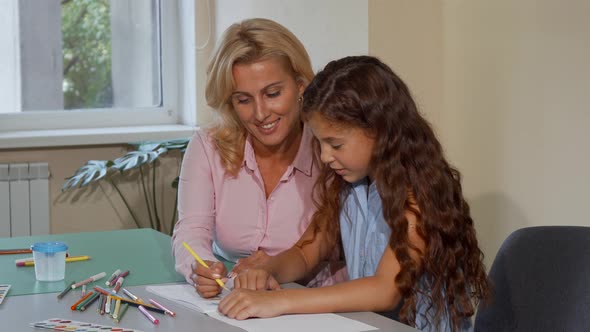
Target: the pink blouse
pixel 232 217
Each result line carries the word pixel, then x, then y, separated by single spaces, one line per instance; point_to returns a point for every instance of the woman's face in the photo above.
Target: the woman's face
pixel 265 99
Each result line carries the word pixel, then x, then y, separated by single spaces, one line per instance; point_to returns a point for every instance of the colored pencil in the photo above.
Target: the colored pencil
pixel 151 318
pixel 122 275
pixel 65 291
pixel 167 311
pixel 15 251
pixel 90 279
pixel 82 306
pixel 132 296
pixel 133 303
pixel 107 306
pixel 117 308
pixel 92 300
pixel 19 261
pixel 113 277
pixel 100 302
pixel 73 307
pixel 124 307
pixel 68 260
pixel 187 247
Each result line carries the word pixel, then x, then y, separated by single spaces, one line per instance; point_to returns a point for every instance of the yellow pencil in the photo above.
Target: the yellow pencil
pixel 219 282
pixel 68 260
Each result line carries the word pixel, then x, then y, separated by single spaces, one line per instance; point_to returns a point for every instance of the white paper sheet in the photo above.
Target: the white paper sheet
pixel 185 294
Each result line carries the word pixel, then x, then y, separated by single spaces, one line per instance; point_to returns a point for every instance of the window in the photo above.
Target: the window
pixel 73 64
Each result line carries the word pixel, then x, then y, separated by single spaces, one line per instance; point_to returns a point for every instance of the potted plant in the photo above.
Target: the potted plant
pixel 144 159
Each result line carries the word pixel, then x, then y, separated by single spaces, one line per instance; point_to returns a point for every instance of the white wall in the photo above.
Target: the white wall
pixel 516 111
pixel 329 29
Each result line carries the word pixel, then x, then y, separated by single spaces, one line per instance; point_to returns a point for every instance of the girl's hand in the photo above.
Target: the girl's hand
pixel 255 259
pixel 245 303
pixel 256 279
pixel 204 278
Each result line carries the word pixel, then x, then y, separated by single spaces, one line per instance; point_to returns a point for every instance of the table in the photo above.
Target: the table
pixel 145 252
pixel 18 311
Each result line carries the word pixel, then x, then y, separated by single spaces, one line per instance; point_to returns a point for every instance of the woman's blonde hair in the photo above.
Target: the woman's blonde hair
pixel 246 42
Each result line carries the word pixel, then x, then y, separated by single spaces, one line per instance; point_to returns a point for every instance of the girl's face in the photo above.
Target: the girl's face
pixel 347 150
pixel 265 99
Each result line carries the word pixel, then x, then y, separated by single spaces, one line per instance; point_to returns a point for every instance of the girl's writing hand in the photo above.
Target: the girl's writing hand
pixel 256 279
pixel 204 278
pixel 245 303
pixel 255 259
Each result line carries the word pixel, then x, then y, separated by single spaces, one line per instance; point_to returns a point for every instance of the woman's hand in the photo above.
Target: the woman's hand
pixel 245 303
pixel 204 278
pixel 256 279
pixel 256 259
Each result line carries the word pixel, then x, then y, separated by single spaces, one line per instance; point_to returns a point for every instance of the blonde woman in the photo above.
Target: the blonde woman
pixel 246 183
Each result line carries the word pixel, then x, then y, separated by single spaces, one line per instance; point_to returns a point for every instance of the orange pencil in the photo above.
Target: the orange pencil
pixel 73 307
pixel 15 251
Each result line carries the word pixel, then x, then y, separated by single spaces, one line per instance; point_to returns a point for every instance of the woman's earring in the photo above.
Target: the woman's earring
pixel 300 99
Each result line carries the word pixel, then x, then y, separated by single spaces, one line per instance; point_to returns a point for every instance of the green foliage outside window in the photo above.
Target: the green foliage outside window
pixel 86 38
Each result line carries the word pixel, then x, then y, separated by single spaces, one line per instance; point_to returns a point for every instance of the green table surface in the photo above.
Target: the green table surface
pixel 146 253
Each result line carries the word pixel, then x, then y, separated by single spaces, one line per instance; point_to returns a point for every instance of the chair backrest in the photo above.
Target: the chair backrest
pixel 541 282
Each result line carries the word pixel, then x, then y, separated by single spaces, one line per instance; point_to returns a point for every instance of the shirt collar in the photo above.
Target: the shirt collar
pixel 303 160
pixel 249 158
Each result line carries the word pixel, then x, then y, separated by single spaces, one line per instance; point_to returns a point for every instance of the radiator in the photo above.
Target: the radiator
pixel 24 199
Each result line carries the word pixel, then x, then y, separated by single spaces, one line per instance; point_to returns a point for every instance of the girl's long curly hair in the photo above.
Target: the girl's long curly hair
pixel 409 168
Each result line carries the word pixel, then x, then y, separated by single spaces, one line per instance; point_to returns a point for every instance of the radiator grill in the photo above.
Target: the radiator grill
pixel 24 199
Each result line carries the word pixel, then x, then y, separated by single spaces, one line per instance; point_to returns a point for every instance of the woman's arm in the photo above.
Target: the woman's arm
pixel 196 208
pixel 291 264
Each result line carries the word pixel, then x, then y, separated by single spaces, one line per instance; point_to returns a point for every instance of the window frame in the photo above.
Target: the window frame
pixel 165 121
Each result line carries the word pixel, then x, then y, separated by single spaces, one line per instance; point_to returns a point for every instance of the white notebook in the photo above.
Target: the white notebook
pixel 185 294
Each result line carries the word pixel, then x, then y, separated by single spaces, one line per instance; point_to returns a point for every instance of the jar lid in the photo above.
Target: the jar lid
pixel 49 247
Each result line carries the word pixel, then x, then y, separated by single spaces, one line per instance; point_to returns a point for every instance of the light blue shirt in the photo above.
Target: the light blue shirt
pixel 365 235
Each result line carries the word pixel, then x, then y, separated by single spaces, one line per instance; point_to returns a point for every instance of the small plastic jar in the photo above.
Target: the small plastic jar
pixel 50 260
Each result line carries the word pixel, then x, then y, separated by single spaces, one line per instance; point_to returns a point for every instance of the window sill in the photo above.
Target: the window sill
pixel 92 136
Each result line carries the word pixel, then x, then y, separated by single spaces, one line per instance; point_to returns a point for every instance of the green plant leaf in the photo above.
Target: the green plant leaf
pixel 148 146
pixel 134 159
pixel 93 170
pixel 179 144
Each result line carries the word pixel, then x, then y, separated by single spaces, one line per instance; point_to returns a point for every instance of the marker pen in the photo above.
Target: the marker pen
pixel 91 279
pixel 148 315
pixel 113 277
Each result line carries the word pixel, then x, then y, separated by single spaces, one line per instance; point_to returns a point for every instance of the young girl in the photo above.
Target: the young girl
pixel 389 197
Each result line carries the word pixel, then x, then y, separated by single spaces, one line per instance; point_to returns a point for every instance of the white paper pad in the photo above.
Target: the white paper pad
pixel 186 295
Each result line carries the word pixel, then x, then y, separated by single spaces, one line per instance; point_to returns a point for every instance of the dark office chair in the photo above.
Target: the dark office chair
pixel 541 278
